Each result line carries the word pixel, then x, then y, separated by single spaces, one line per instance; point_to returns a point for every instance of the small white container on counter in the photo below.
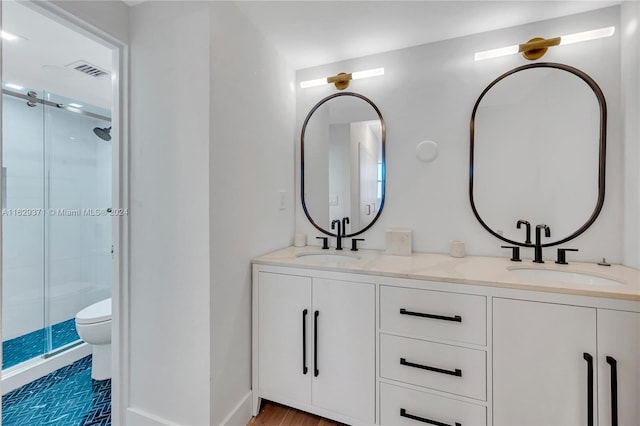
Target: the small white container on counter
pixel 457 249
pixel 300 239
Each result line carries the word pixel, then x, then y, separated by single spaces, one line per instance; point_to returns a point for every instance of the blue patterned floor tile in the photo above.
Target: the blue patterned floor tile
pixel 32 345
pixel 65 397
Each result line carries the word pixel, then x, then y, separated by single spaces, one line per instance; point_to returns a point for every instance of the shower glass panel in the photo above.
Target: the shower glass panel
pixel 78 226
pixel 23 218
pixel 57 255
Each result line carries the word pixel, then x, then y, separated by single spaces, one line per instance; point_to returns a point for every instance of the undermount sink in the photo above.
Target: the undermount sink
pixel 329 257
pixel 565 276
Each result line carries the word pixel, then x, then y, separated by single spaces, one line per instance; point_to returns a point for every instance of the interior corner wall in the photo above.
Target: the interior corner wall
pixel 630 29
pixel 169 381
pixel 428 93
pixel 112 17
pixel 252 182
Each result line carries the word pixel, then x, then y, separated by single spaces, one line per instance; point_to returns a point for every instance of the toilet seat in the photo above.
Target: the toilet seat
pixel 96 313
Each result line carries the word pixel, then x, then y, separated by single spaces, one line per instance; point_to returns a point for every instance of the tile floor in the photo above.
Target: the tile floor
pixel 32 345
pixel 66 397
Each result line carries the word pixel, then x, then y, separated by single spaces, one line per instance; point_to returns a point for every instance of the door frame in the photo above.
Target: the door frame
pixel 120 194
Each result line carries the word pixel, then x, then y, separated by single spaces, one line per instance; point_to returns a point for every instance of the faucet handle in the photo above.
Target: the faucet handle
pixel 562 257
pixel 515 253
pixel 325 242
pixel 354 243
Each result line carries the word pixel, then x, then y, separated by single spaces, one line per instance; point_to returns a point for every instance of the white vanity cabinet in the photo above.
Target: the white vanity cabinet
pixel 618 367
pixel 432 341
pixel 398 342
pixel 314 340
pixel 550 364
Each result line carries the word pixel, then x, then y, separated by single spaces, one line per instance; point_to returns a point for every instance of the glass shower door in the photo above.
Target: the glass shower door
pixel 56 220
pixel 78 226
pixel 23 221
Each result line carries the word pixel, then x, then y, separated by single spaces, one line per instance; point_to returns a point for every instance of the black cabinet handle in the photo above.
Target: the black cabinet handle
pixel 304 341
pixel 457 372
pixel 614 389
pixel 315 344
pixel 587 357
pixel 456 318
pixel 404 413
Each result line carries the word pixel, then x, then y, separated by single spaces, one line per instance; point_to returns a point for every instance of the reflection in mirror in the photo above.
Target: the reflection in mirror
pixel 537 152
pixel 343 139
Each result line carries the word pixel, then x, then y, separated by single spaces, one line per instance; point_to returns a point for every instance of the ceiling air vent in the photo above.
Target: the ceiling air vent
pixel 89 69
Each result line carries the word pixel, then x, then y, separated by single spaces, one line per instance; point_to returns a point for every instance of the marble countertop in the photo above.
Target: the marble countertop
pixel 476 270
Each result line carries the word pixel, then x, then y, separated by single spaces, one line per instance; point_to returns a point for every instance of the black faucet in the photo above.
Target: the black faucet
pixel 537 250
pixel 528 226
pixel 338 234
pixel 345 221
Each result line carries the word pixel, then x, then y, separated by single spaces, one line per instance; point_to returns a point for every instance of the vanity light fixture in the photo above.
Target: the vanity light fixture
pixel 341 80
pixel 7 36
pixel 537 47
pixel 13 86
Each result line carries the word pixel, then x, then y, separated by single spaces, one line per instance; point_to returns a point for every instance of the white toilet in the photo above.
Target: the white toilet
pixel 93 324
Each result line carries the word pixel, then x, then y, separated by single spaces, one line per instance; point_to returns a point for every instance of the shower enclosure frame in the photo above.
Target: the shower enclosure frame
pixel 72 19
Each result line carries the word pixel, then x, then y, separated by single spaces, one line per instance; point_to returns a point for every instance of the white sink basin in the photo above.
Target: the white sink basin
pixel 329 257
pixel 565 276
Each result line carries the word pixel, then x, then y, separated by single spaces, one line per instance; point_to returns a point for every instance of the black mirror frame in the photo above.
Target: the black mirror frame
pixel 384 166
pixel 601 159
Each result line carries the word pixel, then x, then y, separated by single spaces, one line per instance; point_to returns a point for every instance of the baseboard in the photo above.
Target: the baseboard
pixel 141 418
pixel 241 413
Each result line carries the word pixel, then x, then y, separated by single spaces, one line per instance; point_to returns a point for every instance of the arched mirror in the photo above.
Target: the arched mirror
pixel 537 153
pixel 342 163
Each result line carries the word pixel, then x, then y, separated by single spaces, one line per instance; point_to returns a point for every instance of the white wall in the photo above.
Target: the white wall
pixel 428 92
pixel 169 267
pixel 630 29
pixel 211 151
pixel 109 16
pixel 252 109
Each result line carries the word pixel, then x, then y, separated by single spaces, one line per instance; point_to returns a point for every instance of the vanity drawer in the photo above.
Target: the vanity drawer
pixel 427 313
pixel 397 403
pixel 446 368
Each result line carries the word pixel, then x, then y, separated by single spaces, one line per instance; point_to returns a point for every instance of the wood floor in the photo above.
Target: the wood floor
pixel 273 414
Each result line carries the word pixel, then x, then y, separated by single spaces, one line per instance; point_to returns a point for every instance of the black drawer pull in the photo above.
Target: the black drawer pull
pixel 587 357
pixel 457 372
pixel 456 318
pixel 614 389
pixel 404 413
pixel 304 341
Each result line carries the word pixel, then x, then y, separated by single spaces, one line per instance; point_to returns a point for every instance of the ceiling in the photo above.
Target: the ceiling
pixel 311 33
pixel 38 59
pixel 306 33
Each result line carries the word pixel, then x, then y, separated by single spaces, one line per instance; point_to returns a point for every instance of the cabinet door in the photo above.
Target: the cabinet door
pixel 282 300
pixel 345 382
pixel 619 357
pixel 540 376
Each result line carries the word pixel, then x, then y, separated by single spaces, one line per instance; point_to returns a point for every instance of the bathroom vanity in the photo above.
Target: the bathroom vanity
pixel 427 338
